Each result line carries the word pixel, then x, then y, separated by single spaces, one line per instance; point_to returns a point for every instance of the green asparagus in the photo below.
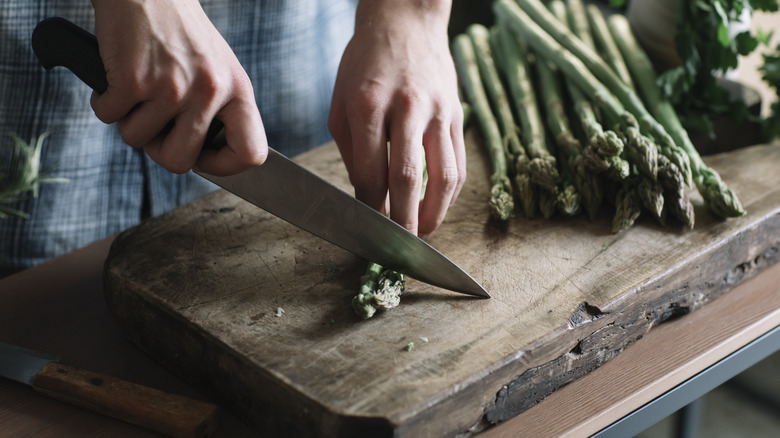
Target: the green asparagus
pixel 718 197
pixel 515 70
pixel 512 69
pixel 380 289
pixel 547 35
pixel 606 44
pixel 500 203
pixel 627 208
pixel 676 201
pixel 496 94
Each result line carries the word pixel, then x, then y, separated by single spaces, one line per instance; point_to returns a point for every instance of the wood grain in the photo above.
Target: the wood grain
pixel 199 288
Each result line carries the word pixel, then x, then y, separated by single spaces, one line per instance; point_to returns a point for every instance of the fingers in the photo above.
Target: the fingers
pixel 246 146
pixel 446 168
pixel 169 74
pixel 360 131
pixel 394 183
pixel 113 105
pixel 178 149
pixel 172 130
pixel 406 166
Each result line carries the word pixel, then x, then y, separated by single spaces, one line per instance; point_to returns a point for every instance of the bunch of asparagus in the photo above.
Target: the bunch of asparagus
pixel 572 129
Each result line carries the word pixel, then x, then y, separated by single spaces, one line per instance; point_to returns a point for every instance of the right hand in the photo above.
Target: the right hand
pixel 166 61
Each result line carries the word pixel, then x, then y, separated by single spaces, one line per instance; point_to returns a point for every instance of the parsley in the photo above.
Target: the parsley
pixel 707 50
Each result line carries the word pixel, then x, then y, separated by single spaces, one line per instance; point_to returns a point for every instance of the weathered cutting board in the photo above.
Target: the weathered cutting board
pixel 199 289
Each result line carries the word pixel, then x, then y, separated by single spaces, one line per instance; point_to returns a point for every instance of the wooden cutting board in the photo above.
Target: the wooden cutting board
pixel 200 289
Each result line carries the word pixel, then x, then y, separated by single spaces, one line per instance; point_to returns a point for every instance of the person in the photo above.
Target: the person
pixel 191 62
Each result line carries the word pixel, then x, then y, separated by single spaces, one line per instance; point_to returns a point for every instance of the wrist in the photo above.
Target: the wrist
pixel 434 14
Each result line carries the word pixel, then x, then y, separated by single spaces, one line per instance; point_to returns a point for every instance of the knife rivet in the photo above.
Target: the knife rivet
pixel 96 381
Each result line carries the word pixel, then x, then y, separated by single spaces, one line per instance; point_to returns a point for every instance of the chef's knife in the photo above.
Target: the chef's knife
pixel 166 413
pixel 280 186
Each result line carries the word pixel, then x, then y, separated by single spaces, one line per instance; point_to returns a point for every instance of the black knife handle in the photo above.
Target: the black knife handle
pixel 58 42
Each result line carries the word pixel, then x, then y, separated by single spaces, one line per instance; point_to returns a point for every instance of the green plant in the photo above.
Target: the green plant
pixel 771 75
pixel 22 175
pixel 708 50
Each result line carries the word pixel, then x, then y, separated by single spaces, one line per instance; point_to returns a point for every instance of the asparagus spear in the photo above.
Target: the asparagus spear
pixel 543 166
pixel 587 183
pixel 496 94
pixel 500 203
pixel 512 68
pixel 569 200
pixel 651 195
pixel 515 70
pixel 718 197
pixel 379 289
pixel 639 150
pixel 627 208
pixel 675 198
pixel 602 149
pixel 547 203
pixel 573 14
pixel 606 44
pixel 466 113
pixel 546 34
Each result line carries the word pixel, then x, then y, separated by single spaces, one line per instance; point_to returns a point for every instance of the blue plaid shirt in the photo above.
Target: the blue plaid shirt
pixel 290 49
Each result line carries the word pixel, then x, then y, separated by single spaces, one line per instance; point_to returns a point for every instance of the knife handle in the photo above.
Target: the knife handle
pixel 58 42
pixel 166 413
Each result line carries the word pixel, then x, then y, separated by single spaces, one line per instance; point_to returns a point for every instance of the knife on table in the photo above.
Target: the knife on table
pixel 166 413
pixel 280 186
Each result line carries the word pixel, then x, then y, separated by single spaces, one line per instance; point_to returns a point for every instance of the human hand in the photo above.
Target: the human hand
pixel 397 82
pixel 164 63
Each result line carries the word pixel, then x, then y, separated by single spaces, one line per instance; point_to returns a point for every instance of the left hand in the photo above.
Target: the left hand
pixel 397 82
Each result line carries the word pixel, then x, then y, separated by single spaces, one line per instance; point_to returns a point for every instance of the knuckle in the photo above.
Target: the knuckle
pixel 207 84
pixel 408 98
pixel 367 106
pixel 449 179
pixel 171 89
pixel 129 80
pixel 407 176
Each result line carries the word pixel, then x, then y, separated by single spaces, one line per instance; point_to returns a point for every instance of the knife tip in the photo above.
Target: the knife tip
pixel 477 290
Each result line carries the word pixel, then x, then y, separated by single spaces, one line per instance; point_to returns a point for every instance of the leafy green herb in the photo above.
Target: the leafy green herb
pixel 771 74
pixel 707 50
pixel 22 175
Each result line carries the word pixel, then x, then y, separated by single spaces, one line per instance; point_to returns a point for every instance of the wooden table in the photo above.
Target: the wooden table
pixel 58 308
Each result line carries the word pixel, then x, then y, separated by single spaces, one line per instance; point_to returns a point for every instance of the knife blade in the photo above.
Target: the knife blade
pixel 166 413
pixel 281 186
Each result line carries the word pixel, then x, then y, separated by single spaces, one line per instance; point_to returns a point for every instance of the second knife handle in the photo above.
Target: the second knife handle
pixel 166 413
